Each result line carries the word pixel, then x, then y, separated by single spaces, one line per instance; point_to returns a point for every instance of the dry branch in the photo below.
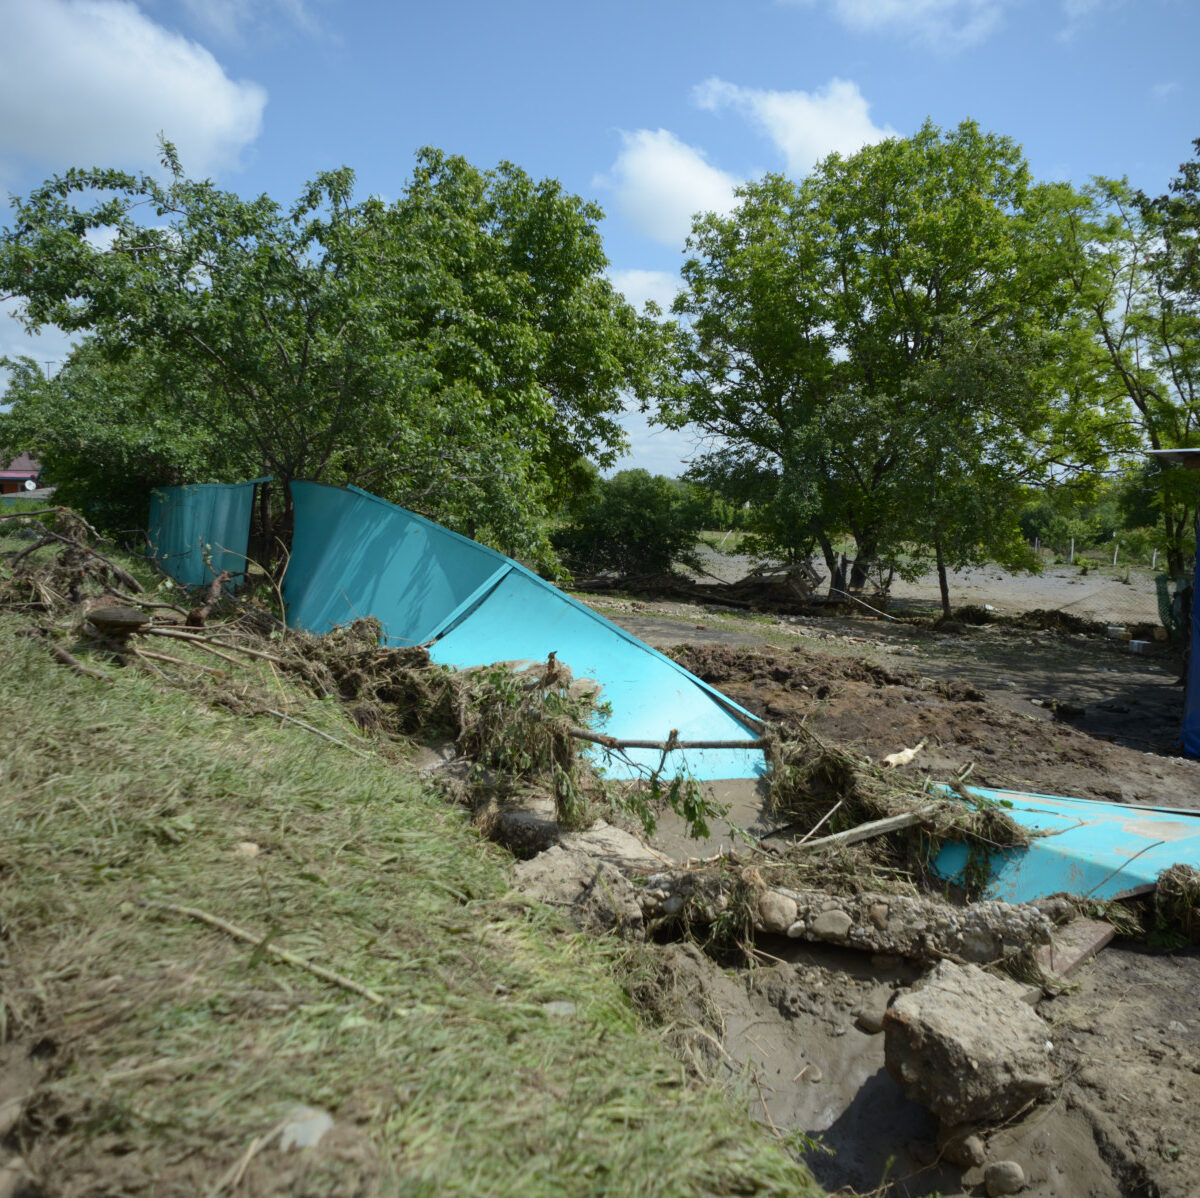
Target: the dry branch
pixel 291 719
pixel 69 659
pixel 200 613
pixel 665 746
pixel 878 827
pixel 261 943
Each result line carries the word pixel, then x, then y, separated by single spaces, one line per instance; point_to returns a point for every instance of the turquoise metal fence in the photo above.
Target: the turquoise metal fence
pixel 197 531
pixel 1079 846
pixel 354 554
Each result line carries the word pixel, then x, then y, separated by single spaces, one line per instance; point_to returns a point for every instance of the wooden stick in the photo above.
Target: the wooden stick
pixel 68 659
pixel 177 661
pixel 611 742
pixel 878 827
pixel 811 832
pixel 45 511
pixel 260 943
pixel 199 642
pixel 181 634
pixel 291 719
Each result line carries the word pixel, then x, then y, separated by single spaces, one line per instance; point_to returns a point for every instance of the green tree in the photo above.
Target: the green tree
pixel 633 523
pixel 1135 345
pixel 105 441
pixel 844 335
pixel 458 351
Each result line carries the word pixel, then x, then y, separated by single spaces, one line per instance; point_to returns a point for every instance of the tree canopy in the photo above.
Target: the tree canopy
pixel 868 341
pixel 459 351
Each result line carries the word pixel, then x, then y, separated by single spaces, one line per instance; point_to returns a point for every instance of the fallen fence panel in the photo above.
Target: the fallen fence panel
pixel 1085 848
pixel 356 555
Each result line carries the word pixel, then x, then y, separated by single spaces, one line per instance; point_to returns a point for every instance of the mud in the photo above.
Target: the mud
pixel 798 1029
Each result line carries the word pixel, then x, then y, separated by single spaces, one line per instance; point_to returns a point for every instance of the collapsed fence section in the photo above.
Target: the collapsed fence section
pixel 198 531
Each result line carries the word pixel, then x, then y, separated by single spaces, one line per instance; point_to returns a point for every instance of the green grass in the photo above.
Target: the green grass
pixel 171 1046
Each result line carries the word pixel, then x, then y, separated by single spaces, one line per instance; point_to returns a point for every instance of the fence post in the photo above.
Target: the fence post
pixel 1072 561
pixel 1116 550
pixel 1153 559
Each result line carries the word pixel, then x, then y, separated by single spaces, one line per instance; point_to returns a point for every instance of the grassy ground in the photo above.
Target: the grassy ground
pixel 156 1054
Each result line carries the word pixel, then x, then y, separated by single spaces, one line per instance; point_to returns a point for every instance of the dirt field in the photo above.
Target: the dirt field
pixel 1127 1033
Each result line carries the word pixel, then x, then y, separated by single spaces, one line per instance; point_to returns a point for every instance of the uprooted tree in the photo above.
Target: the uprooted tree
pixel 459 351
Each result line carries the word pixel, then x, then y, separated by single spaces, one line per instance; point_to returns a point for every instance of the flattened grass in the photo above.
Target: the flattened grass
pixel 172 1050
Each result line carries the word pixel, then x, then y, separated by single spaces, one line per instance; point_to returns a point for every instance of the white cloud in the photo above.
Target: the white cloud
pixel 806 126
pixel 1164 91
pixel 659 450
pixel 230 19
pixel 940 24
pixel 638 286
pixel 93 82
pixel 661 182
pixel 49 348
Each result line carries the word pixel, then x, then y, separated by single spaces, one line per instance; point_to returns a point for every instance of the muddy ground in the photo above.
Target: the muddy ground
pixel 1046 711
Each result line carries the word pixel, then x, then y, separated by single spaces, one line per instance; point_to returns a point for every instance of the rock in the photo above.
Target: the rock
pixel 559 1007
pixel 831 925
pixel 871 1013
pixel 597 893
pixel 918 928
pixel 967 1047
pixel 962 1147
pixel 246 848
pixel 776 911
pixel 1003 1177
pixel 305 1128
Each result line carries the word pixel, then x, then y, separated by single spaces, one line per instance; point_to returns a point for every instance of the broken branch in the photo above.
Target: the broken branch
pixel 666 746
pixel 877 827
pixel 262 944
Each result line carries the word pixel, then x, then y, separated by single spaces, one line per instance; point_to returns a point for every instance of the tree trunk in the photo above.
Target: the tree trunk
pixel 943 581
pixel 863 558
pixel 830 560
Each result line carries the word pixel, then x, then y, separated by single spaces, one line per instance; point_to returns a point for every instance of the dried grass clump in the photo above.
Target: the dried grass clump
pixel 1177 902
pixel 824 790
pixel 514 720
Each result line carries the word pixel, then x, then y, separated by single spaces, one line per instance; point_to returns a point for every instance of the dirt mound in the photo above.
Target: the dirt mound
pixel 1057 621
pixel 718 663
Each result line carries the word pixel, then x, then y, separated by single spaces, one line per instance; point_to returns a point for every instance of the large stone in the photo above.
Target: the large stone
pixel 967 1047
pixel 1003 1177
pixel 776 912
pixel 596 893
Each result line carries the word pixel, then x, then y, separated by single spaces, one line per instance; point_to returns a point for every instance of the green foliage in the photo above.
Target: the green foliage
pixel 459 351
pixel 145 792
pixel 1134 347
pixel 633 523
pixel 871 342
pixel 104 442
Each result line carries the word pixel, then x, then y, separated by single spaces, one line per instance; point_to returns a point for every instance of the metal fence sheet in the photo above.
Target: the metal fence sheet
pixel 356 555
pixel 1086 848
pixel 197 531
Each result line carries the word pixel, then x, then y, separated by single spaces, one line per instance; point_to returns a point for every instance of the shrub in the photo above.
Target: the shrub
pixel 632 523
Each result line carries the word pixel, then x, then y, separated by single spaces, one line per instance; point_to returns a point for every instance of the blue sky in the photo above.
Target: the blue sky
pixel 655 108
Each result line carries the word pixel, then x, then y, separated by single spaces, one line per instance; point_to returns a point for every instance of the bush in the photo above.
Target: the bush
pixel 632 523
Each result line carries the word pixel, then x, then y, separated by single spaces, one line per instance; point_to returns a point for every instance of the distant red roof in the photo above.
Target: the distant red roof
pixel 24 465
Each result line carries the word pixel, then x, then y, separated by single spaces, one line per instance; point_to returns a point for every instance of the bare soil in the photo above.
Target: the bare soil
pixel 1052 712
